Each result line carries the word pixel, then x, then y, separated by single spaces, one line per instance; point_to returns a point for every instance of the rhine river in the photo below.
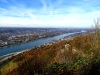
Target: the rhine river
pixel 31 44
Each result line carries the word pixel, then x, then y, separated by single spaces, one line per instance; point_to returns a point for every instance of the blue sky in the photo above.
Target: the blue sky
pixel 48 13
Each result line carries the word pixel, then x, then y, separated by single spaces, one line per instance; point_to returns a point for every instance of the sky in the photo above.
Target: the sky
pixel 48 13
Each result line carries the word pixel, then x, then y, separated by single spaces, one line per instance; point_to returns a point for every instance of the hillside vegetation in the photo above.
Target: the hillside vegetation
pixel 80 56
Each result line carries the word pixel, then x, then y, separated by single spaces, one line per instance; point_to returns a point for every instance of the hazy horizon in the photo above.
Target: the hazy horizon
pixel 47 27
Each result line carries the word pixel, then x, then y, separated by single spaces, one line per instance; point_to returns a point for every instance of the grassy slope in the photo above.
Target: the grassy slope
pixel 82 57
pixel 9 67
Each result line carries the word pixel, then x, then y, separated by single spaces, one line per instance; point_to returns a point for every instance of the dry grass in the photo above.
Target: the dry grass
pixel 8 68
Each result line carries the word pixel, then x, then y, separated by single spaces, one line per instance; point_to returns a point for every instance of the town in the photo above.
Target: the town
pixel 12 36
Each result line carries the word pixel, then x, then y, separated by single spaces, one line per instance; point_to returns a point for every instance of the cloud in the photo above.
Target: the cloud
pixel 49 15
pixel 44 4
pixel 86 0
pixel 17 12
pixel 15 16
pixel 26 17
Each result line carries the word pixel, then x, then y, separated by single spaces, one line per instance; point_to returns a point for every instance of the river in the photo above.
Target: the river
pixel 31 44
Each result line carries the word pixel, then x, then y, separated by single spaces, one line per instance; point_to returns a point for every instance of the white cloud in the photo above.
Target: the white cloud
pixel 73 9
pixel 17 12
pixel 86 0
pixel 44 4
pixel 69 16
pixel 15 16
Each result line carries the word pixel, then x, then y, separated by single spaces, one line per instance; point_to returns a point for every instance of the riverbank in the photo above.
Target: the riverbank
pixel 70 37
pixel 77 56
pixel 31 44
pixel 9 56
pixel 20 41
